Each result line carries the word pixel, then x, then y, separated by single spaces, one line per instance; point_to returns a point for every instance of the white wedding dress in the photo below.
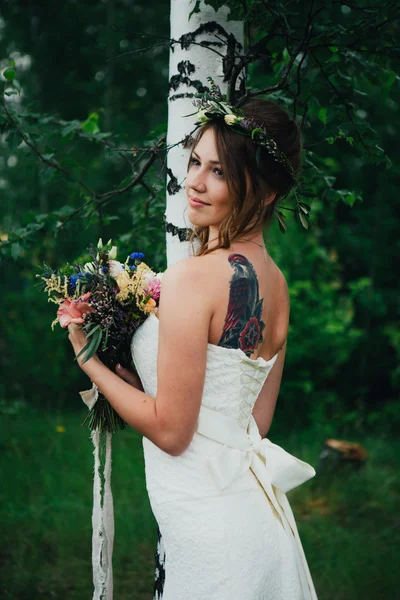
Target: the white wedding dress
pixel 227 530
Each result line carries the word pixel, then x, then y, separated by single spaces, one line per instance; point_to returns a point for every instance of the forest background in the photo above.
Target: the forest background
pixel 87 83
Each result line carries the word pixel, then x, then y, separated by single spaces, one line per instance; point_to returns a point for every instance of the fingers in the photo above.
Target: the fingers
pixel 127 375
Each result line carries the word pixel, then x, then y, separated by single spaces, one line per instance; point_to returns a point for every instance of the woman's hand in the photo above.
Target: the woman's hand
pixel 129 376
pixel 79 340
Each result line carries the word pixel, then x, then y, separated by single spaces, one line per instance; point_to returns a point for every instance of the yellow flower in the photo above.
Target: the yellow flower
pixel 60 428
pixel 56 284
pixel 125 286
pixel 123 280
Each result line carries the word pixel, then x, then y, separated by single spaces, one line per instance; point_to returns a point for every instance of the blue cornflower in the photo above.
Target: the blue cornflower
pixel 104 269
pixel 74 278
pixel 137 256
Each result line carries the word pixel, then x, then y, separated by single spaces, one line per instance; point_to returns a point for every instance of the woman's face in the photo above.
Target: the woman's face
pixel 206 188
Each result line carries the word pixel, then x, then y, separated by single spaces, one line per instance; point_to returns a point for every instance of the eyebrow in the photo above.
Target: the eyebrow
pixel 213 162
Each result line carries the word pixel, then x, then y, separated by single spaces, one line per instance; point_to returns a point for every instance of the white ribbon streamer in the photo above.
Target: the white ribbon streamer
pixel 91 396
pixel 103 509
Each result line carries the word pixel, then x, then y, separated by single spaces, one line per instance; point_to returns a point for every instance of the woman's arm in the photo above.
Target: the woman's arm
pixel 170 419
pixel 132 378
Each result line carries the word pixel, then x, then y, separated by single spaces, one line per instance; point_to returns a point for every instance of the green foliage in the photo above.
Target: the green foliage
pixel 69 149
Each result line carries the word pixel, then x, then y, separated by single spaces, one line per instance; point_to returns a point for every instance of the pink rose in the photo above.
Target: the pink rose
pixel 73 311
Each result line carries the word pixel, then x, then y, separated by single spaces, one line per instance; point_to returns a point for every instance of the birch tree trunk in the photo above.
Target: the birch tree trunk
pixel 190 65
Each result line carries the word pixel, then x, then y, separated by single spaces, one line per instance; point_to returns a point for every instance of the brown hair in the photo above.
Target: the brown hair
pixel 250 185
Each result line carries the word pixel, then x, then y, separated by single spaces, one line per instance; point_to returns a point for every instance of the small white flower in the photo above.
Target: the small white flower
pixel 115 268
pixel 148 276
pixel 159 276
pixel 113 253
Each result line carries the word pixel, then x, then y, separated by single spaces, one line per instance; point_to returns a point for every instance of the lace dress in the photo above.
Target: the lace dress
pixel 227 529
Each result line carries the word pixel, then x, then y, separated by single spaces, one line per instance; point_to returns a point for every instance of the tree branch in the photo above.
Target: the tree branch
pixel 342 99
pixel 46 161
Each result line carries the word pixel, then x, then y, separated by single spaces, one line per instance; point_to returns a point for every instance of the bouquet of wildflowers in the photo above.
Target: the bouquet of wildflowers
pixel 109 299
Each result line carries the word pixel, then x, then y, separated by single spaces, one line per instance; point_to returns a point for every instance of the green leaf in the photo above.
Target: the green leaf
pixel 91 331
pixel 9 74
pixel 64 211
pixel 15 250
pixel 281 221
pixel 349 199
pixel 391 79
pixel 42 217
pixel 333 48
pixel 73 126
pixel 91 347
pixel 286 55
pixel 91 124
pixel 104 346
pixel 323 115
pixel 329 180
pixel 303 219
pixel 304 207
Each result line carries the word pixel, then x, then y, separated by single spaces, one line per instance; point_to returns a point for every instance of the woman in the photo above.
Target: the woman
pixel 210 364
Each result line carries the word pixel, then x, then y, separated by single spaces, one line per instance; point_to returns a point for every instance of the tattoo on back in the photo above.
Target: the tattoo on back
pixel 243 326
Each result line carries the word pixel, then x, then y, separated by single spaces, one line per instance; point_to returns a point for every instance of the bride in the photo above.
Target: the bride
pixel 209 371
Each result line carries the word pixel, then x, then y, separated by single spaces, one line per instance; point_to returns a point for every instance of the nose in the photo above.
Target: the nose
pixel 196 180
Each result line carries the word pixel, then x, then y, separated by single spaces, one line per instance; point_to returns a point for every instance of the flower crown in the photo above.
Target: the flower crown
pixel 213 106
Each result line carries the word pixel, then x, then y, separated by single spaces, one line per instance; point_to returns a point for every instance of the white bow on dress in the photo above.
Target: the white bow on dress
pixel 277 471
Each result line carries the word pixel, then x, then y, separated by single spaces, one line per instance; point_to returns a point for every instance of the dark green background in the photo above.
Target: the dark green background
pixel 341 376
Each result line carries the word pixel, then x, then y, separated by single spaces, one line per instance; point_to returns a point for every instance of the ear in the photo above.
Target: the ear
pixel 270 199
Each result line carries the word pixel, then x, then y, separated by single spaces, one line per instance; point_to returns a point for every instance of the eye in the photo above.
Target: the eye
pixel 195 161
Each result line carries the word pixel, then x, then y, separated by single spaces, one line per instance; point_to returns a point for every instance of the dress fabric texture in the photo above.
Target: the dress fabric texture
pixel 226 530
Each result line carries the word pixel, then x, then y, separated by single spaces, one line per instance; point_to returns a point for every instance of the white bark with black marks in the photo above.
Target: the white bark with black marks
pixel 190 65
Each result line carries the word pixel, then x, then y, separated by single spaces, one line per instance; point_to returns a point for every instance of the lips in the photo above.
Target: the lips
pixel 196 202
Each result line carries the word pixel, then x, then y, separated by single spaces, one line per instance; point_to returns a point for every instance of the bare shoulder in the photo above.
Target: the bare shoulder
pixel 188 271
pixel 187 282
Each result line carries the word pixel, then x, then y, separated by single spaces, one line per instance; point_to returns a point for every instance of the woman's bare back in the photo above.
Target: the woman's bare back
pixel 250 302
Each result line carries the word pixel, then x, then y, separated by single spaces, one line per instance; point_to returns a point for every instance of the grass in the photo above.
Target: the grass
pixel 349 522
